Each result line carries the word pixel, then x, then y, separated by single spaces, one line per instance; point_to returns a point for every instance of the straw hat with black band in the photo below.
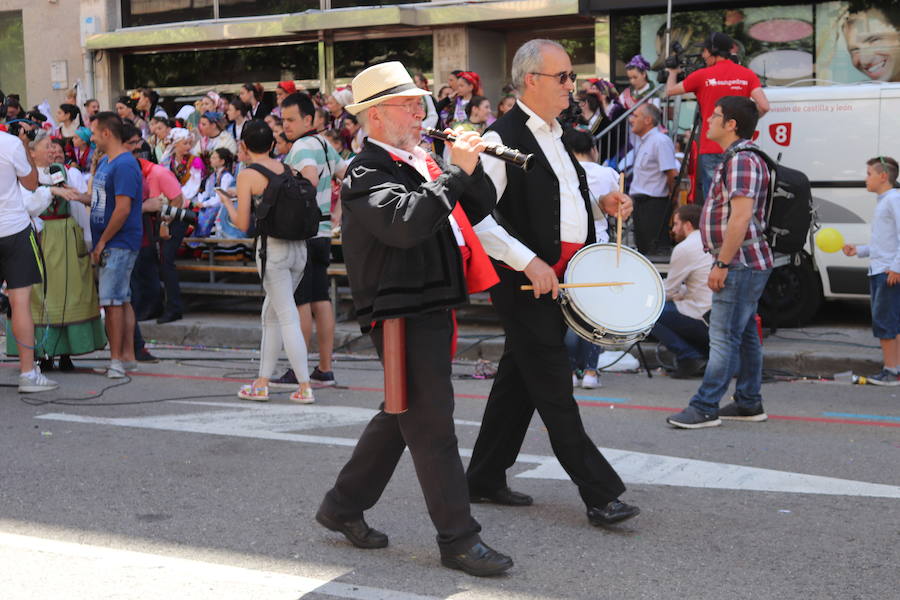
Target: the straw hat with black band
pixel 381 82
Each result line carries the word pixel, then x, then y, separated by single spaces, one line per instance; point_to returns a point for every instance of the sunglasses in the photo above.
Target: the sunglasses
pixel 561 76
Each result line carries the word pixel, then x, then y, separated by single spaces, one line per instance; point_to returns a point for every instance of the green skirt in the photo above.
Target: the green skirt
pixel 69 321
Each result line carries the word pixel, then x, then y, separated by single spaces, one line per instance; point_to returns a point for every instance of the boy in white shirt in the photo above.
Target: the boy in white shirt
pixel 883 252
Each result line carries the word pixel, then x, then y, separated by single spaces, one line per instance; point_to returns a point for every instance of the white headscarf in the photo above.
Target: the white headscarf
pixel 176 134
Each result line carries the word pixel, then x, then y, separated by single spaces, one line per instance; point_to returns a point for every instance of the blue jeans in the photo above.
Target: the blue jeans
pixel 582 354
pixel 687 337
pixel 734 345
pixel 706 169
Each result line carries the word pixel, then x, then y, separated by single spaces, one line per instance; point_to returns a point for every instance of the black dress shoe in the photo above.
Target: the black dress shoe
pixel 480 560
pixel 45 364
pixel 358 532
pixel 168 318
pixel 614 512
pixel 65 363
pixel 504 496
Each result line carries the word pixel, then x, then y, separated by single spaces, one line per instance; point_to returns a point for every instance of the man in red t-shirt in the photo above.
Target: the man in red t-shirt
pixel 721 77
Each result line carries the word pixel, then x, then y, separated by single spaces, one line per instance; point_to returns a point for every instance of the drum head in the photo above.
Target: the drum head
pixel 621 309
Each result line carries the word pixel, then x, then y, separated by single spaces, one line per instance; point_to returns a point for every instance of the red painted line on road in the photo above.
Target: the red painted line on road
pixel 828 420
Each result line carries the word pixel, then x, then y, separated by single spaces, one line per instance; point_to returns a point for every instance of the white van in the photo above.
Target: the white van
pixel 828 132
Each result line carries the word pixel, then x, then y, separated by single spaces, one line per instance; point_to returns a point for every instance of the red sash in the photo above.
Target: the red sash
pixel 566 251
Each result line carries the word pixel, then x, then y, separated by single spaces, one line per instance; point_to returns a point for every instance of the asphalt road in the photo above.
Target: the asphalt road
pixel 212 497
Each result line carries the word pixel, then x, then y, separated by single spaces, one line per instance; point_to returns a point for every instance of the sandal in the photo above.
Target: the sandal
pixel 248 392
pixel 304 396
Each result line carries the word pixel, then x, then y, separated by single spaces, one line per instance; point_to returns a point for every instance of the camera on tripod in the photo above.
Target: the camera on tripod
pixel 680 59
pixel 178 214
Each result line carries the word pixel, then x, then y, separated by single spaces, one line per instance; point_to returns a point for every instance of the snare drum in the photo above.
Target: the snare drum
pixel 617 316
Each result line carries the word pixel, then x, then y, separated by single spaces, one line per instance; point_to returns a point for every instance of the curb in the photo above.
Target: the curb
pixel 348 339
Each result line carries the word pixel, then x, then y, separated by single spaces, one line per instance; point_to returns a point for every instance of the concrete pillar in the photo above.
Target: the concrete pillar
pixel 602 61
pixel 487 57
pixel 451 52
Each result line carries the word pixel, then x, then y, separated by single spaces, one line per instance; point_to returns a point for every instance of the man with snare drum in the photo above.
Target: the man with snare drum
pixel 542 218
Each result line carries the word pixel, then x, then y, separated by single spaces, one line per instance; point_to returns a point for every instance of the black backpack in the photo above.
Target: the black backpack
pixel 789 205
pixel 288 209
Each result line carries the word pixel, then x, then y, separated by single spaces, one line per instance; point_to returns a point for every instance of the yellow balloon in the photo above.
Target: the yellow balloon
pixel 829 239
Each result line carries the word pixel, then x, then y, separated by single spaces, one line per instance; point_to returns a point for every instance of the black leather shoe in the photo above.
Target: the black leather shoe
pixel 480 560
pixel 168 318
pixel 504 496
pixel 65 363
pixel 358 532
pixel 614 512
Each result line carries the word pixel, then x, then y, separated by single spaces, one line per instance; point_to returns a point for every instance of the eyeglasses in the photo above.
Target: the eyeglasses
pixel 561 76
pixel 410 108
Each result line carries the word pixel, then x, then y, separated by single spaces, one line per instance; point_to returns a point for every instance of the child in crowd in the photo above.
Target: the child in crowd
pixel 221 161
pixel 883 252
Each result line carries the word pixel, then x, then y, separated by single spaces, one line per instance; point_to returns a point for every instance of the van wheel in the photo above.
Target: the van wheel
pixel 793 294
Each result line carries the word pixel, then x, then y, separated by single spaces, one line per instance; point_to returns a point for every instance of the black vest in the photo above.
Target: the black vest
pixel 529 208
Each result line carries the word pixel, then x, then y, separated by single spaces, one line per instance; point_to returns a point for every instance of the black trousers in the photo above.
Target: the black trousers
pixel 534 374
pixel 651 229
pixel 426 428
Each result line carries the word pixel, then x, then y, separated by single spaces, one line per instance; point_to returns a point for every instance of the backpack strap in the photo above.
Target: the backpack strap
pixel 770 192
pixel 267 173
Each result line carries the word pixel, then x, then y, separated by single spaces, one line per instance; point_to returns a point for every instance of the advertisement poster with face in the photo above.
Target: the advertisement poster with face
pixel 858 41
pixel 775 42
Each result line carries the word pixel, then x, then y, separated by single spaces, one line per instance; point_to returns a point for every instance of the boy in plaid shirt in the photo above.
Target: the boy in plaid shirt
pixel 731 227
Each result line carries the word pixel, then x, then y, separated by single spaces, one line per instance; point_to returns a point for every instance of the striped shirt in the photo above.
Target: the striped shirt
pixel 313 150
pixel 744 174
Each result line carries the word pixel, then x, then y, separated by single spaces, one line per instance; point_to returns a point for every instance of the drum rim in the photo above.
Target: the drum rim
pixel 659 282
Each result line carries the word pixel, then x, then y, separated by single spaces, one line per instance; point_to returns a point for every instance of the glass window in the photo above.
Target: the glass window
pixel 12 49
pixel 352 3
pixel 151 12
pixel 416 54
pixel 251 8
pixel 212 67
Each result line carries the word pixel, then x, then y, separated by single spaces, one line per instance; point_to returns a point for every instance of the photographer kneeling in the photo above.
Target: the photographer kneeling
pixel 721 77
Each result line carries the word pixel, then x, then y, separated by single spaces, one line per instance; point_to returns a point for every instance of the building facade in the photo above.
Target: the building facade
pixel 184 47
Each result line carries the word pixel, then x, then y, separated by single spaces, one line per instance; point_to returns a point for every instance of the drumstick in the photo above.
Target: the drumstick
pixel 619 220
pixel 525 288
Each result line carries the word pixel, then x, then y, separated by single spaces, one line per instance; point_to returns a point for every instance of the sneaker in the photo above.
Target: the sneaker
pixel 689 368
pixel 323 378
pixel 35 381
pixel 691 418
pixel 736 412
pixel 285 382
pixel 116 370
pixel 590 381
pixel 884 378
pixel 304 396
pixel 143 355
pixel 614 361
pixel 575 382
pixel 130 365
pixel 248 392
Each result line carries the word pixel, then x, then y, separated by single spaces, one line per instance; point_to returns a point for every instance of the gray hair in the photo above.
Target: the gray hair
pixel 652 111
pixel 362 118
pixel 529 59
pixel 39 136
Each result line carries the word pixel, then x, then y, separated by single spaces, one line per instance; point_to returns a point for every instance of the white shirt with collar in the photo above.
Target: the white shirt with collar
pixel 416 159
pixel 573 218
pixel 686 282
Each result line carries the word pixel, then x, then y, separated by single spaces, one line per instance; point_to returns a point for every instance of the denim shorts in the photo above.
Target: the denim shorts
pixel 885 307
pixel 115 276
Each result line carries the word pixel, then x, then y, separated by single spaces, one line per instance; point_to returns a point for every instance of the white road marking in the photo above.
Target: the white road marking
pixel 282 422
pixel 85 571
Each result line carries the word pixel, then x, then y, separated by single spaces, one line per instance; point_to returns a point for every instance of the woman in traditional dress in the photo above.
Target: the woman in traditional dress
pixel 66 318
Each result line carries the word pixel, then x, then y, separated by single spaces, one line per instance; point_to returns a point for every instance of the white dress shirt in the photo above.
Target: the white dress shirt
pixel 686 282
pixel 416 159
pixel 573 218
pixel 883 248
